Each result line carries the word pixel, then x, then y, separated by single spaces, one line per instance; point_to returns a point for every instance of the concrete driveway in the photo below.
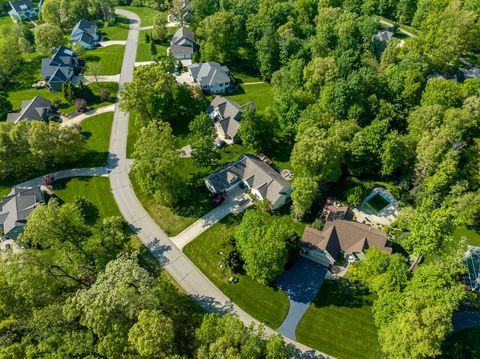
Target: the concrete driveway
pixel 214 216
pixel 301 285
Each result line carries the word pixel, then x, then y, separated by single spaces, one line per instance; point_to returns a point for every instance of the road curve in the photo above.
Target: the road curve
pixel 183 271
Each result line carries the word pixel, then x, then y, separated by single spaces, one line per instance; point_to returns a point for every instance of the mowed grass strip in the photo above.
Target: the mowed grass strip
pixel 146 14
pixel 260 94
pixel 340 324
pixel 117 31
pixel 143 49
pixel 265 304
pixel 95 189
pixel 97 131
pixel 108 59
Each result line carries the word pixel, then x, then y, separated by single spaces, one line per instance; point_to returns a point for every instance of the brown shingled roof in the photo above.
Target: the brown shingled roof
pixel 347 236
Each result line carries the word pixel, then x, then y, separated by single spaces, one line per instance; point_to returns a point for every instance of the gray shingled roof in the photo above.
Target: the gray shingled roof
pixel 56 69
pixel 31 110
pixel 209 73
pixel 85 26
pixel 17 206
pixel 226 113
pixel 259 176
pixel 17 5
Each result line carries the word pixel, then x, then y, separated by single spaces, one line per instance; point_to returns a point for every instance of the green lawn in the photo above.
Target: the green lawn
pixel 266 304
pixel 260 94
pixel 109 59
pixel 5 20
pixel 473 237
pixel 143 49
pixel 464 344
pixel 117 31
pixel 97 130
pixel 95 189
pixel 340 324
pixel 4 190
pixel 146 14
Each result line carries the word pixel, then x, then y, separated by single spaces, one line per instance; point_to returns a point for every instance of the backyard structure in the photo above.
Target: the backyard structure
pixel 263 181
pixel 379 207
pixel 332 211
pixel 15 209
pixel 345 237
pixel 61 68
pixel 226 116
pixel 211 77
pixel 23 10
pixel 182 44
pixel 85 34
pixel 37 109
pixel 472 259
pixel 382 38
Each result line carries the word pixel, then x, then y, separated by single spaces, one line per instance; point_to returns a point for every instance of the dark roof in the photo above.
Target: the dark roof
pixel 17 5
pixel 183 42
pixel 85 26
pixel 209 73
pixel 347 236
pixel 253 171
pixel 338 212
pixel 57 69
pixel 84 37
pixel 31 110
pixel 17 206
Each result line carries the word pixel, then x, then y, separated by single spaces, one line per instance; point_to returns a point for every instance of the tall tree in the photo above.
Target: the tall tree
pixel 157 162
pixel 47 37
pixel 202 135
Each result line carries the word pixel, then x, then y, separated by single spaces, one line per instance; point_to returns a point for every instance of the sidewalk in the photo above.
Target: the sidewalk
pixel 76 172
pixel 102 78
pixel 112 42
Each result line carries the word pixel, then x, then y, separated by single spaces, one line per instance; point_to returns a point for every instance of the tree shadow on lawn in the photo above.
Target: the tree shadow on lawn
pixel 341 293
pixel 196 201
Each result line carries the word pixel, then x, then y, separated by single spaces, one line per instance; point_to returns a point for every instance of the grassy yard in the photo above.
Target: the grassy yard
pixel 109 59
pixel 266 304
pixel 5 20
pixel 143 49
pixel 97 131
pixel 146 14
pixel 95 189
pixel 118 31
pixel 464 344
pixel 4 190
pixel 473 237
pixel 260 94
pixel 339 322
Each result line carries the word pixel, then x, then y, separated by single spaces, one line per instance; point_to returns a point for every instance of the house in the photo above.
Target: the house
pixel 342 236
pixel 15 209
pixel 85 34
pixel 62 67
pixel 23 10
pixel 382 38
pixel 210 76
pixel 182 44
pixel 333 211
pixel 226 116
pixel 263 181
pixel 37 109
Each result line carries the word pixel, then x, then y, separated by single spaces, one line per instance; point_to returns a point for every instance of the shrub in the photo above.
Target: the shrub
pixel 104 94
pixel 80 105
pixel 355 196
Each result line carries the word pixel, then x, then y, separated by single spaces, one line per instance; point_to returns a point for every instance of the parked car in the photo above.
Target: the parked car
pixel 241 200
pixel 220 144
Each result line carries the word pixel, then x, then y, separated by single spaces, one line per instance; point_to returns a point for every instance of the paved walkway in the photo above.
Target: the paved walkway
pixel 390 24
pixel 180 268
pixel 253 83
pixel 102 78
pixel 211 218
pixel 143 63
pixel 78 119
pixel 112 42
pixel 76 172
pixel 301 285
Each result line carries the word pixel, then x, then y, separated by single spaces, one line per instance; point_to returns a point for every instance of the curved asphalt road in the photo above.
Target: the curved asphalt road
pixel 183 271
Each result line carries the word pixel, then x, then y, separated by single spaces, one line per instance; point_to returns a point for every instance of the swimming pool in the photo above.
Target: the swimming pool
pixel 375 204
